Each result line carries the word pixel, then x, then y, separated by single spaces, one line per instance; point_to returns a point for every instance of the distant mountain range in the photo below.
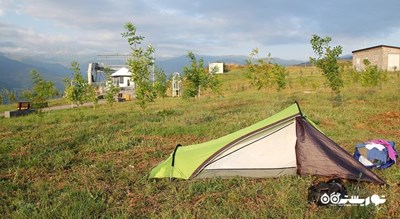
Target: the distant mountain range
pixel 347 57
pixel 15 74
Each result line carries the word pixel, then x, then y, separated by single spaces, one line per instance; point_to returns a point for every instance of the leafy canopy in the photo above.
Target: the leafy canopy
pixel 77 89
pixel 327 61
pixel 41 91
pixel 196 78
pixel 264 73
pixel 372 76
pixel 161 82
pixel 112 89
pixel 140 65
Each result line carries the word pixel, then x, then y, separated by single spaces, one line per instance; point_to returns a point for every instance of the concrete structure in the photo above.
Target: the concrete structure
pixel 16 113
pixel 96 77
pixel 383 56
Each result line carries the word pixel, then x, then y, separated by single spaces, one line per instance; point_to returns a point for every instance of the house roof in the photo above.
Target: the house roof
pixel 374 47
pixel 122 72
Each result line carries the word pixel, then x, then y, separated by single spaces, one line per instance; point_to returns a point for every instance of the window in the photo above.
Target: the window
pixel 115 81
pixel 121 80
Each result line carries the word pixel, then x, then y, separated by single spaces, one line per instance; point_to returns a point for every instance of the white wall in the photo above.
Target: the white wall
pixel 219 67
pixel 122 81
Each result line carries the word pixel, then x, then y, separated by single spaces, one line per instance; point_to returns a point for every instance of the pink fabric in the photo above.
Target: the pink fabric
pixel 391 151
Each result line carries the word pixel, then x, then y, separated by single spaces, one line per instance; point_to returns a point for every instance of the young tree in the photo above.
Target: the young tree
pixel 91 95
pixel 196 78
pixel 1 98
pixel 130 34
pixel 140 65
pixel 11 95
pixel 371 76
pixel 262 72
pixel 41 91
pixel 112 89
pixel 3 95
pixel 327 61
pixel 77 89
pixel 161 82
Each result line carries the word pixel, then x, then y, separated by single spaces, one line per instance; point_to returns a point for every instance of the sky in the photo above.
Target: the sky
pixel 62 31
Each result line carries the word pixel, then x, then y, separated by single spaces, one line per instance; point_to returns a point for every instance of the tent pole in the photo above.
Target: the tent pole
pixel 173 161
pixel 298 106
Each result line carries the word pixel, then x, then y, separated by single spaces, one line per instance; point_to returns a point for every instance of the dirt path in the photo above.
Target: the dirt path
pixel 69 106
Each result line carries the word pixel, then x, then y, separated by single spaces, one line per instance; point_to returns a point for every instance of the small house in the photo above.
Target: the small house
pixel 383 56
pixel 122 78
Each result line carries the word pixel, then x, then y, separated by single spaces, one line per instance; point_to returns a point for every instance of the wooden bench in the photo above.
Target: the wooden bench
pixel 120 98
pixel 23 105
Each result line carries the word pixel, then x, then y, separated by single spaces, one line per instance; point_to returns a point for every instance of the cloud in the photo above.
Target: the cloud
pixel 206 27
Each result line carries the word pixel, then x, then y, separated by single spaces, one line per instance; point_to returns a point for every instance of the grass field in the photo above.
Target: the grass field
pixel 94 163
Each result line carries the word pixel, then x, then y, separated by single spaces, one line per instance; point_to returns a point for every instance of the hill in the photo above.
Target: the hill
pixel 15 74
pixel 176 64
pixel 343 58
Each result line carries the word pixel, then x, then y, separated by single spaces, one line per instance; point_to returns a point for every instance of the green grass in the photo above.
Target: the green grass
pixel 90 163
pixel 52 102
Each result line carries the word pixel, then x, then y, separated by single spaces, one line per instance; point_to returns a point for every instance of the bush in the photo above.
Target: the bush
pixel 372 76
pixel 263 73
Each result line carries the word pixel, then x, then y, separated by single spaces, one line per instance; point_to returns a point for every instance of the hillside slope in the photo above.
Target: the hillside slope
pixel 15 75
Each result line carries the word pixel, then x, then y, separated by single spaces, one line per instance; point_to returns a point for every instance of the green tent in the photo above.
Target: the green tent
pixel 286 143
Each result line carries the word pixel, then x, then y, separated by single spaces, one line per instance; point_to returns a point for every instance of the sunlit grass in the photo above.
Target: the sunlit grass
pixel 86 162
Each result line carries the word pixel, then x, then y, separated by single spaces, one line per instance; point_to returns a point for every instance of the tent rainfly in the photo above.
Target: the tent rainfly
pixel 286 143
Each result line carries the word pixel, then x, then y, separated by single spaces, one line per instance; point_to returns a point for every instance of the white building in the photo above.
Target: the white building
pixel 216 68
pixel 383 56
pixel 122 78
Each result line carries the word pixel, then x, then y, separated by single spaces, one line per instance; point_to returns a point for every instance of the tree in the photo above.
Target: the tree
pixel 1 98
pixel 10 95
pixel 262 72
pixel 371 76
pixel 112 89
pixel 91 95
pixel 160 83
pixel 77 89
pixel 130 34
pixel 140 65
pixel 41 91
pixel 327 61
pixel 196 78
